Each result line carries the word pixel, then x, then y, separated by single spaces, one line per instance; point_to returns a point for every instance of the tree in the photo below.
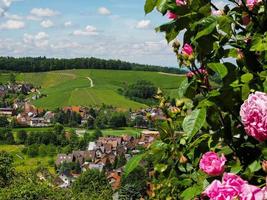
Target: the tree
pixel 33 150
pixel 93 183
pixel 12 78
pixel 22 136
pixel 6 169
pixel 3 121
pixel 141 89
pixel 9 137
pixel 117 120
pixel 134 184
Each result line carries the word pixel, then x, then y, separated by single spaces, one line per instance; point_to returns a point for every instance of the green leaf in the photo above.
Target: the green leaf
pixel 236 167
pixel 161 167
pixel 182 88
pixel 206 31
pixel 255 166
pixel 191 193
pixel 162 6
pixel 133 163
pixel 149 6
pixel 193 122
pixel 259 43
pixel 246 78
pixel 219 68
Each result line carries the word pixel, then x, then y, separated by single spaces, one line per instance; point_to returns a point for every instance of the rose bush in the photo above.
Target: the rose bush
pixel 220 105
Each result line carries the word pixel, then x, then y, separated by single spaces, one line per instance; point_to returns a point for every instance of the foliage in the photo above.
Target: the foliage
pixel 92 183
pixel 133 186
pixel 206 116
pixel 6 169
pixel 3 121
pixel 42 64
pixel 142 91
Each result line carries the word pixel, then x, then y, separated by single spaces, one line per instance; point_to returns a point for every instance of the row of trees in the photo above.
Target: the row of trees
pixel 141 91
pixel 41 64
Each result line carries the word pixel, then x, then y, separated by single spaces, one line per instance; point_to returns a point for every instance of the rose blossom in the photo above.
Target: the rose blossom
pixel 233 180
pixel 233 187
pixel 180 2
pixel 171 15
pixel 212 164
pixel 252 3
pixel 219 191
pixel 253 114
pixel 187 50
pixel 251 192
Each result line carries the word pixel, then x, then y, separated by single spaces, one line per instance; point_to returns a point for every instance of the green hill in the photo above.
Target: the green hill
pixel 93 86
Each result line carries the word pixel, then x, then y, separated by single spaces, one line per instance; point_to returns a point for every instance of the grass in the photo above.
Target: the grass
pixel 23 163
pixel 71 87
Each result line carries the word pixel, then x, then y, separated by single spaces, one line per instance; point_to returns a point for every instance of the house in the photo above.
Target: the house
pixel 114 179
pixel 6 111
pixel 37 122
pixel 64 180
pixel 61 158
pixel 89 166
pixel 49 116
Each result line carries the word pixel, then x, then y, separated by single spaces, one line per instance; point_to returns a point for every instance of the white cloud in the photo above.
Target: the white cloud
pixel 68 24
pixel 104 11
pixel 12 16
pixel 39 40
pixel 44 12
pixel 4 6
pixel 88 31
pixel 143 24
pixel 12 24
pixel 47 23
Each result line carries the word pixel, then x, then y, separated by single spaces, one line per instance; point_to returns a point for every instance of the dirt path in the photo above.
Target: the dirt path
pixel 91 82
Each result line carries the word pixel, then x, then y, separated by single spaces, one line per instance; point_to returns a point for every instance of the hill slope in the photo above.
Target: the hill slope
pixel 93 86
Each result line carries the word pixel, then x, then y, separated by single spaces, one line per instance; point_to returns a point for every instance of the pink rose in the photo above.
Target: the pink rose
pixel 233 187
pixel 233 180
pixel 212 164
pixel 171 15
pixel 253 114
pixel 187 50
pixel 218 191
pixel 251 192
pixel 180 2
pixel 252 3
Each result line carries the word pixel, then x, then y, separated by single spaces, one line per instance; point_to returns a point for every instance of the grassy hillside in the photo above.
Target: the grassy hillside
pixel 73 87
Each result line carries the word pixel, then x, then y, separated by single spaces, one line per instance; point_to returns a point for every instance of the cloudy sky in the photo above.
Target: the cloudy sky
pixel 116 29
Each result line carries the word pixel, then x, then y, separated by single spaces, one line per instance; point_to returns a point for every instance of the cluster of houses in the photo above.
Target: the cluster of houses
pixel 19 88
pixel 103 153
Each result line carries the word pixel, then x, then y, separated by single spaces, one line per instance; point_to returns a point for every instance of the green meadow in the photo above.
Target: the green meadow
pixel 24 163
pixel 73 87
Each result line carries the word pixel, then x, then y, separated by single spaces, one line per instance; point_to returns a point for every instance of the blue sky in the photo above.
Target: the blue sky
pixel 116 29
pixel 110 29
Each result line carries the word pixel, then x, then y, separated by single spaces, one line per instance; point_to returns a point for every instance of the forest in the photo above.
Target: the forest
pixel 42 64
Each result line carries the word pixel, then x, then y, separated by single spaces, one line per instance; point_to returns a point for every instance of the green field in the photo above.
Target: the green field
pixel 24 163
pixel 72 87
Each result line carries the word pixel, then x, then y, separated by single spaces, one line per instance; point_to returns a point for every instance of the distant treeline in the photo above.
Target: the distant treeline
pixel 42 64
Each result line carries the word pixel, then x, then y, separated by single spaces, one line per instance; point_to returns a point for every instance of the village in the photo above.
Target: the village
pixel 108 154
pixel 102 155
